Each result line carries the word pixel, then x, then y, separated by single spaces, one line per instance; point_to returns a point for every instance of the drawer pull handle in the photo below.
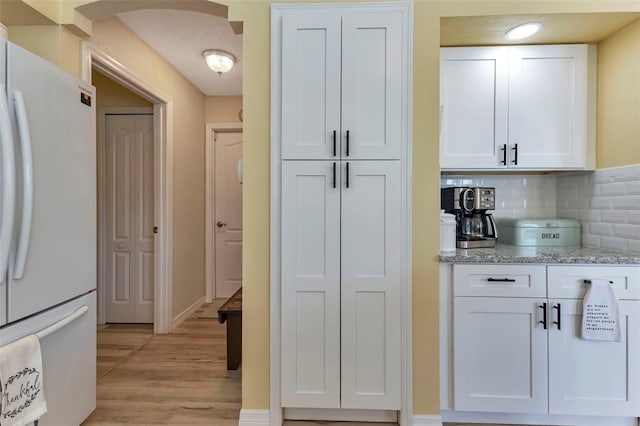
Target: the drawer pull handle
pixel 559 322
pixel 544 315
pixel 589 282
pixel 501 280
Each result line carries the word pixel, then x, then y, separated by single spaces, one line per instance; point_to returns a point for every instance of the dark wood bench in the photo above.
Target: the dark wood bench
pixel 231 312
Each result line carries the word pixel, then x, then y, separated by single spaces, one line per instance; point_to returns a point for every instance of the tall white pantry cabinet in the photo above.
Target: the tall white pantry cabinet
pixel 342 129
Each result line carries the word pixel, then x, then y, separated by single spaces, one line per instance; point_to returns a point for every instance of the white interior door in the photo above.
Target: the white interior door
pixel 228 213
pixel 129 218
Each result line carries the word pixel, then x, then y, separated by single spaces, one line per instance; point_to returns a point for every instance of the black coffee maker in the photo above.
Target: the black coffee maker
pixel 475 227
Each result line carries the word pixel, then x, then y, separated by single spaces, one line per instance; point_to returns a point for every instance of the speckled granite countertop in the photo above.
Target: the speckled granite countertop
pixel 505 253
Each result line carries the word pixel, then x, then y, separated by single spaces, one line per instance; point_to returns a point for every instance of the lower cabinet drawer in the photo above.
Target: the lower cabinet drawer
pixel 567 282
pixel 499 280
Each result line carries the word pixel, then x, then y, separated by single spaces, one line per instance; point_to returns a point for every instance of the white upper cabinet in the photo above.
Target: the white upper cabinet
pixel 548 106
pixel 310 86
pixel 515 107
pixel 342 86
pixel 473 106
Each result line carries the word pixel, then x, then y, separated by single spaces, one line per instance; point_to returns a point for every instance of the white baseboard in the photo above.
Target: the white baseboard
pixel 426 420
pixel 185 314
pixel 254 418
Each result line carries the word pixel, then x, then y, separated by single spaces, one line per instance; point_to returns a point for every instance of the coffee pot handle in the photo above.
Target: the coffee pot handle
pixel 494 228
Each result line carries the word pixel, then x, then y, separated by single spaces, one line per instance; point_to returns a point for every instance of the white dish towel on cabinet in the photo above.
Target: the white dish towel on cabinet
pixel 21 393
pixel 600 314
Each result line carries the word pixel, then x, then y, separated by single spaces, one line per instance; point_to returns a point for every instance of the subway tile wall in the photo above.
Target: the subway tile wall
pixel 517 196
pixel 607 204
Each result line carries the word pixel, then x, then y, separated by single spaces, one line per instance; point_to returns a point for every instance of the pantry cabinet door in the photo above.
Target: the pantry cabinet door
pixel 500 355
pixel 591 377
pixel 310 299
pixel 373 87
pixel 371 284
pixel 311 49
pixel 473 107
pixel 548 106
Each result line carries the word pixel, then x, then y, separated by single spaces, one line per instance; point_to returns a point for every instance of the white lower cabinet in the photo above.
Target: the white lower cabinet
pixel 500 355
pixel 340 293
pixel 526 355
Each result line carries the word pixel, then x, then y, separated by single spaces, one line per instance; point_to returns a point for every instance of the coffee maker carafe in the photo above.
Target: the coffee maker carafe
pixel 474 226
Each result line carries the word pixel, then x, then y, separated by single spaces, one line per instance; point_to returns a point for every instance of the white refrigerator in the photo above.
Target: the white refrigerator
pixel 48 225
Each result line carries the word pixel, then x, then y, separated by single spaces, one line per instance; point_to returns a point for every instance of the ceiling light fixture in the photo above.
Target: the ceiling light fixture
pixel 219 60
pixel 523 31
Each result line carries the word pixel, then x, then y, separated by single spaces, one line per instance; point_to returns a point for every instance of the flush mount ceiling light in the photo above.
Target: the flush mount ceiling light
pixel 219 60
pixel 523 31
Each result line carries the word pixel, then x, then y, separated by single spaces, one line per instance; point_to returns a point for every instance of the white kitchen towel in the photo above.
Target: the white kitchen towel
pixel 21 393
pixel 600 314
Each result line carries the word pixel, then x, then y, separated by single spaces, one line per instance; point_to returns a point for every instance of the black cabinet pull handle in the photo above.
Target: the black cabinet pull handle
pixel 501 280
pixel 504 154
pixel 334 174
pixel 347 180
pixel 544 315
pixel 515 154
pixel 334 144
pixel 347 143
pixel 559 322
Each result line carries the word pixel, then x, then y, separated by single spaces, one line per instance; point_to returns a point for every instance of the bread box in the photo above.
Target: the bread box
pixel 539 232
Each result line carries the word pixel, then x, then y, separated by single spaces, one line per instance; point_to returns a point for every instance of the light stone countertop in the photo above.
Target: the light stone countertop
pixel 505 253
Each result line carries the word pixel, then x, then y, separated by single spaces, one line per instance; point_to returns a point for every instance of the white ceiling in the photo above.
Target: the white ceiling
pixel 180 37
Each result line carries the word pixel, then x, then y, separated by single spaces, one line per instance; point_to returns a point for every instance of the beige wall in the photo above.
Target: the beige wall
pixel 222 109
pixel 111 94
pixel 618 140
pixel 110 35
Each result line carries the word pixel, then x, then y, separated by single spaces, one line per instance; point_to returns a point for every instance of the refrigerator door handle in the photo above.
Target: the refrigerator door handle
pixel 63 322
pixel 27 192
pixel 9 183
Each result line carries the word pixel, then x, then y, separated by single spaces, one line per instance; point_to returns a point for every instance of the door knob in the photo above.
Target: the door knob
pixel 221 224
pixel 120 246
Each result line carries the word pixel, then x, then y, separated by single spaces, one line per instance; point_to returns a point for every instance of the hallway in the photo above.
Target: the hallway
pixel 176 378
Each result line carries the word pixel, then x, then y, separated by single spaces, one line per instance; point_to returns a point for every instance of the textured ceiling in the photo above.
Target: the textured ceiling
pixel 557 28
pixel 180 37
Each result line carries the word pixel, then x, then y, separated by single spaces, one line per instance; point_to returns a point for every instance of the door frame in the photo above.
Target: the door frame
pixel 94 58
pixel 210 242
pixel 406 8
pixel 102 193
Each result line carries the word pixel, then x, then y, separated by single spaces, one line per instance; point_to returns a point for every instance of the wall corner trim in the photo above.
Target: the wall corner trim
pixel 254 417
pixel 426 420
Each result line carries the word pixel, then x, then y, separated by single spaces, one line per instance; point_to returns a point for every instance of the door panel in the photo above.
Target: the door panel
pixel 548 84
pixel 228 213
pixel 371 247
pixel 310 85
pixel 310 285
pixel 372 84
pixel 473 97
pixel 129 174
pixel 61 260
pixel 500 355
pixel 575 386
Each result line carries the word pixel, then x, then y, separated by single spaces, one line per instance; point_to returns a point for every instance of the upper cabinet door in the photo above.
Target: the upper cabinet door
pixel 548 106
pixel 473 107
pixel 373 86
pixel 310 86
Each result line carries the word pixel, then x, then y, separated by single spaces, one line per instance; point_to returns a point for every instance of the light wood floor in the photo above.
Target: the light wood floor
pixel 176 378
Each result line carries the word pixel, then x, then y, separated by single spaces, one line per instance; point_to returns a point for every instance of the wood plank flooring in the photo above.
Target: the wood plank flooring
pixel 176 378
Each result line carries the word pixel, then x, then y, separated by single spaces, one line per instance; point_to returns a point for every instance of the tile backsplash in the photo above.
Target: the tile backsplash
pixel 516 195
pixel 607 204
